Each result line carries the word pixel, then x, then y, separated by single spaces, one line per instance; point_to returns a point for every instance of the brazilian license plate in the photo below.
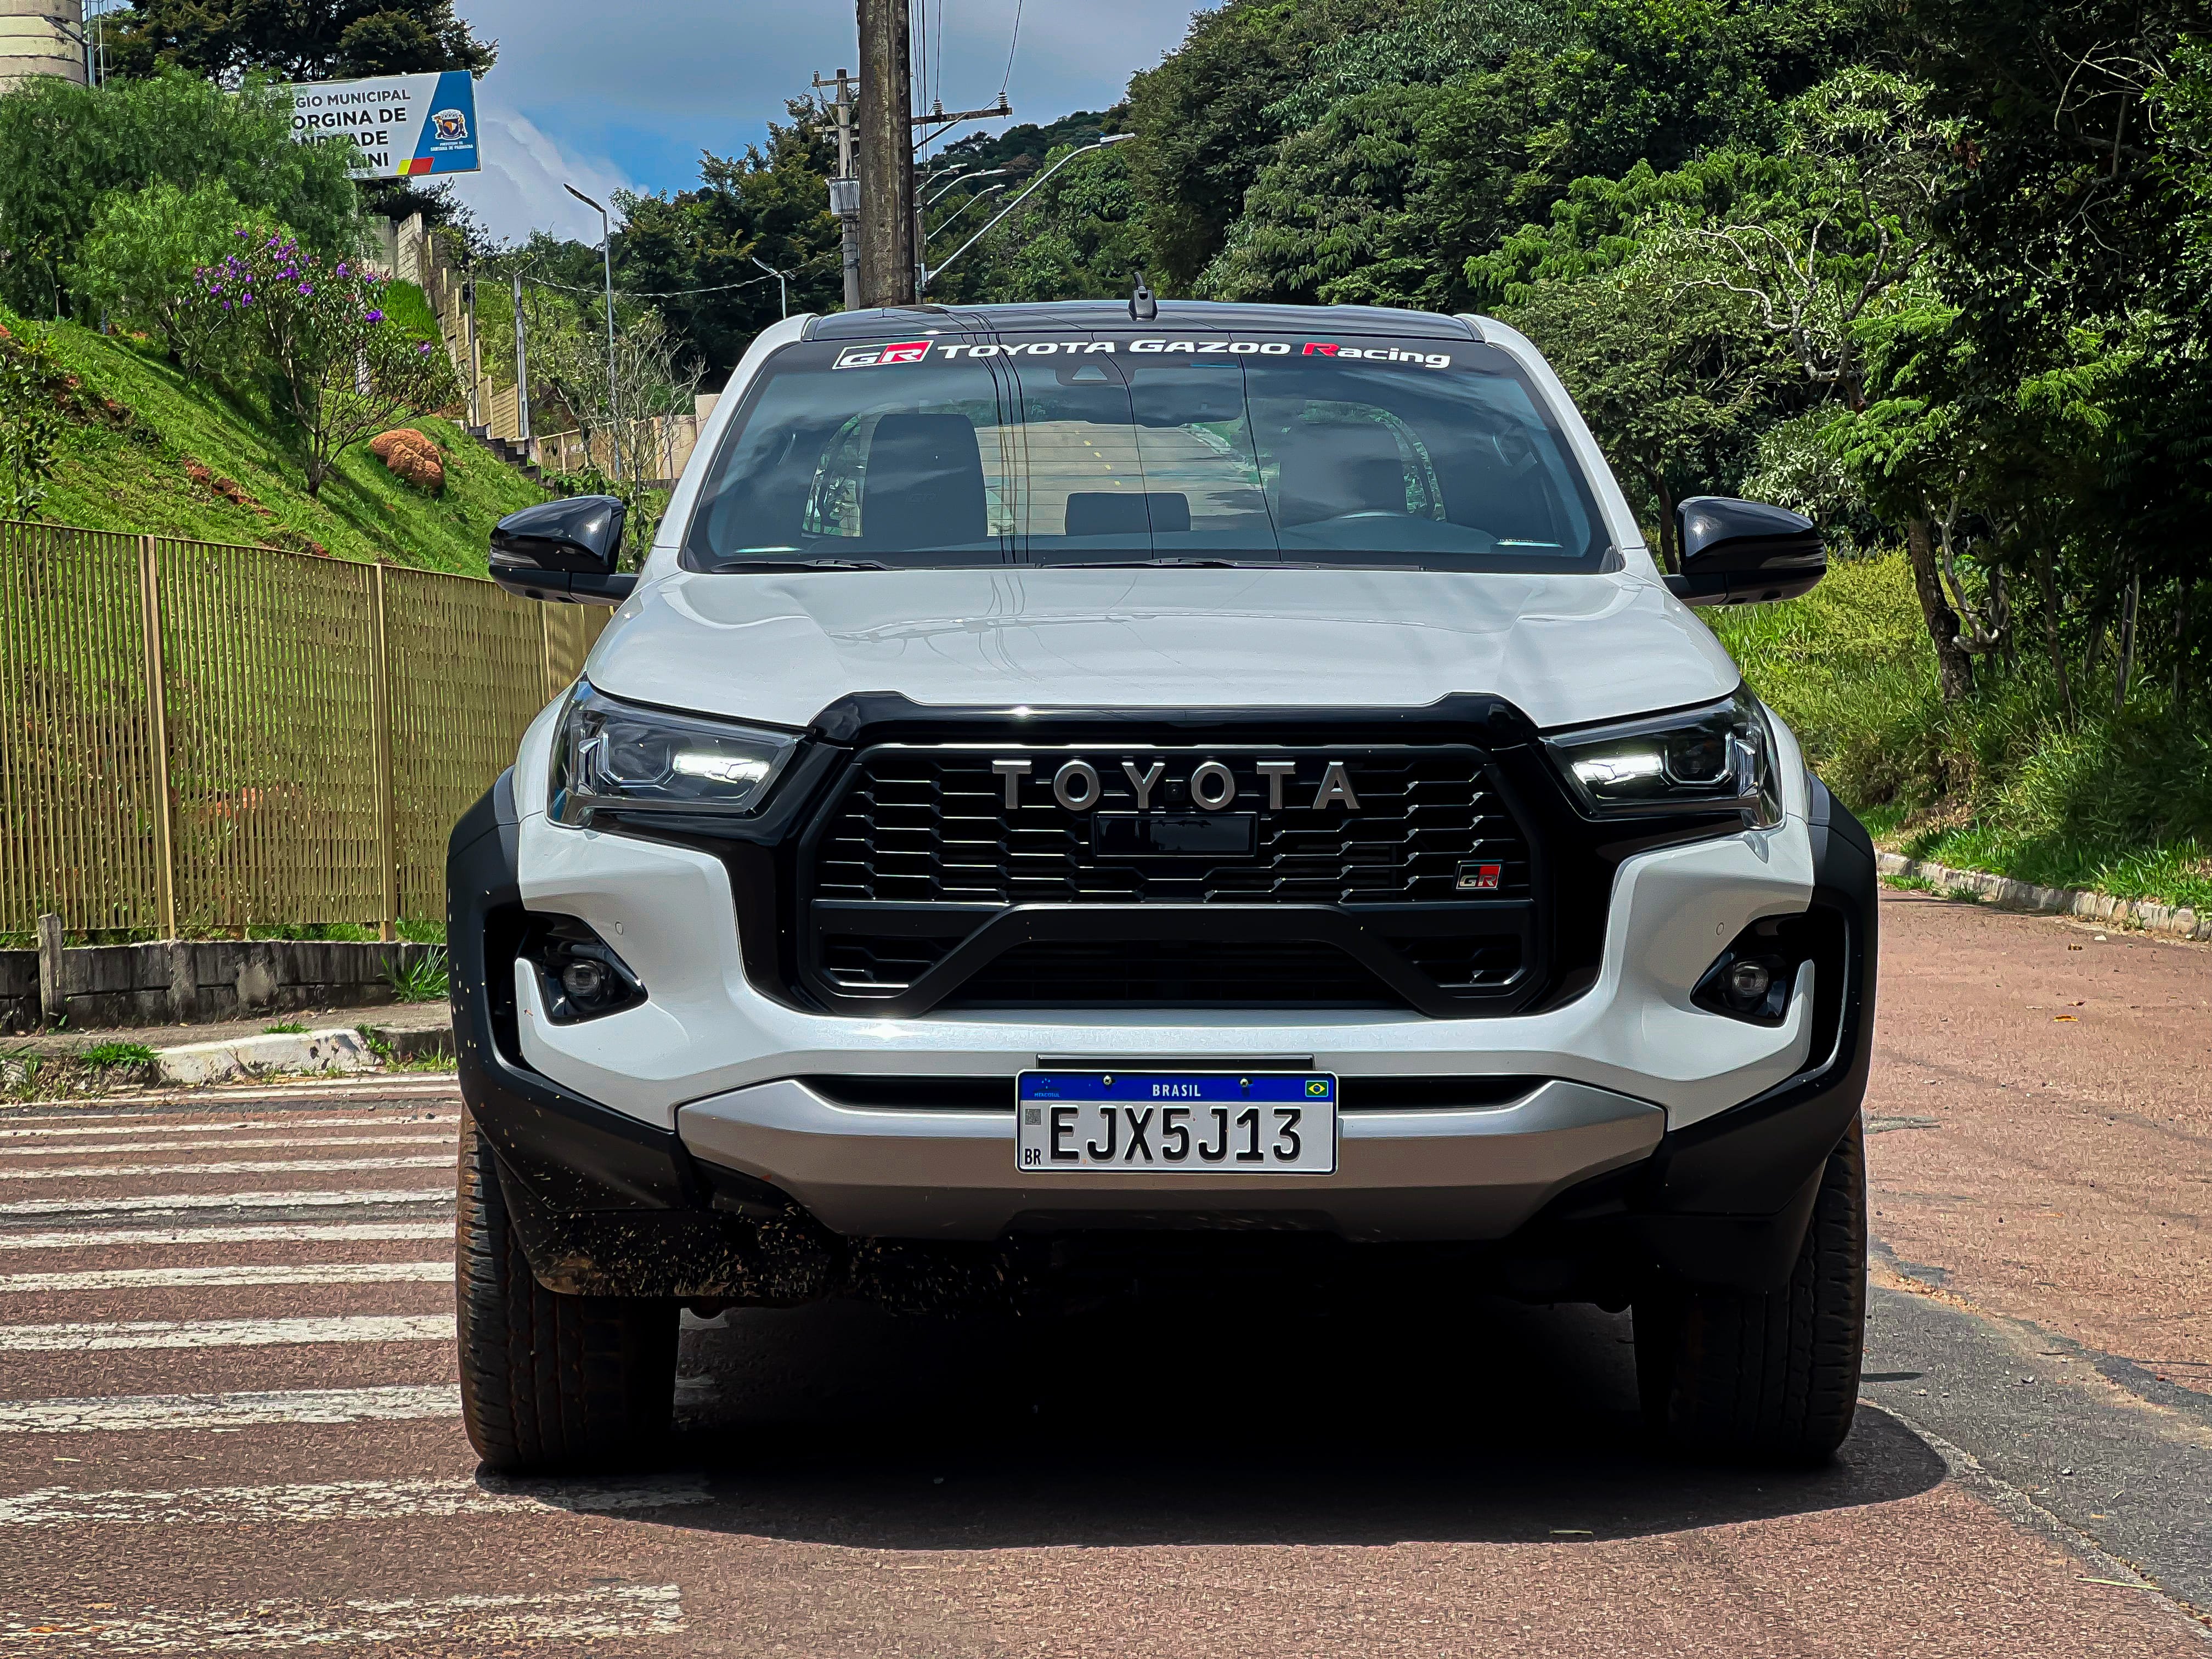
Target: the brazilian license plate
pixel 1204 1122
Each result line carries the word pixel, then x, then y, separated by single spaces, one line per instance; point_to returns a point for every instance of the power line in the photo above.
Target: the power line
pixel 1008 79
pixel 660 293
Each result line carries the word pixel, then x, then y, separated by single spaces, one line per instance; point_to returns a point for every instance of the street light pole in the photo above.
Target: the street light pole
pixel 1110 138
pixel 607 261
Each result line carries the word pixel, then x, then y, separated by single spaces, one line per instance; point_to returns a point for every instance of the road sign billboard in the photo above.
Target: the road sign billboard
pixel 407 126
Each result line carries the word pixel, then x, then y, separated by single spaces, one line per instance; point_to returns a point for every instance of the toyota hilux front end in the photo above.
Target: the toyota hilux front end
pixel 1068 793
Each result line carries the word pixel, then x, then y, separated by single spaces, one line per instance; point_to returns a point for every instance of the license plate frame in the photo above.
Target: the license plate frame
pixel 1126 1122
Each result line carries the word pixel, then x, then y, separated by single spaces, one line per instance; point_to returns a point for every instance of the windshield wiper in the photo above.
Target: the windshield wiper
pixel 1220 564
pixel 740 566
pixel 1168 564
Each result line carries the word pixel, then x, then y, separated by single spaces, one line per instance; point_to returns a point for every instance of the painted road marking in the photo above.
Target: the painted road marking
pixel 139 1412
pixel 476 1623
pixel 340 1500
pixel 428 1085
pixel 77 1338
pixel 306 1273
pixel 168 1203
pixel 296 1142
pixel 265 1233
pixel 244 1166
pixel 143 1125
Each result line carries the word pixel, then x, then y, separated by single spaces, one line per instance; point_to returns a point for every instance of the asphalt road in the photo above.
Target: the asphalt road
pixel 227 1422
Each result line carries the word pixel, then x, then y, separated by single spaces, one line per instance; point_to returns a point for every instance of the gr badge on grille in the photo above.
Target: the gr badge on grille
pixel 1210 785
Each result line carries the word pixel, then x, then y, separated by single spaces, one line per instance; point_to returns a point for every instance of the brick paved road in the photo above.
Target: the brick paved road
pixel 227 1422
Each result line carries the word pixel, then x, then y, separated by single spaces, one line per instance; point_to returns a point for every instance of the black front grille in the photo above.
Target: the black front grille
pixel 871 964
pixel 1331 875
pixel 927 825
pixel 1172 973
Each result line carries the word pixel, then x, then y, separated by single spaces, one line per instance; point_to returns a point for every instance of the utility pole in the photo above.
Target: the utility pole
pixel 474 347
pixel 886 155
pixel 845 188
pixel 521 370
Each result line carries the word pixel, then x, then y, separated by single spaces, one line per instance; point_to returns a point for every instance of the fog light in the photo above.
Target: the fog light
pixel 587 981
pixel 1749 981
pixel 581 977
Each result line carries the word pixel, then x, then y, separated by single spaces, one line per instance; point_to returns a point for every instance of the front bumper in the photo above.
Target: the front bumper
pixel 1434 1173
pixel 766 1190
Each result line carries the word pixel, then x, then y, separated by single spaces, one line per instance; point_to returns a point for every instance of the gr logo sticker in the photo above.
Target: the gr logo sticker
pixel 869 356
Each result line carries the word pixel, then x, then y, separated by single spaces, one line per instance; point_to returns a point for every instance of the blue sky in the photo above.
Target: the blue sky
pixel 627 93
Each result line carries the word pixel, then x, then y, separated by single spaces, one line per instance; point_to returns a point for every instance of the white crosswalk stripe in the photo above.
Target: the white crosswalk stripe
pixel 261 1232
pixel 340 1500
pixel 235 1167
pixel 177 1203
pixel 305 1273
pixel 89 1337
pixel 296 1142
pixel 144 1124
pixel 476 1623
pixel 142 1413
pixel 171 1244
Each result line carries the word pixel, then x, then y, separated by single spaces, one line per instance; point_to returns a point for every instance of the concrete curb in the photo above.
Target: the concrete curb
pixel 338 1049
pixel 2172 920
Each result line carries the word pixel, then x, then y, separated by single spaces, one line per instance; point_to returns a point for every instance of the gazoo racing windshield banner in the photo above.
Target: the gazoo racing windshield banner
pixel 916 351
pixel 406 125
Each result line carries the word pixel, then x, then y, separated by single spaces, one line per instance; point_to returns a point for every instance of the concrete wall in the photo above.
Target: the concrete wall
pixel 181 981
pixel 32 41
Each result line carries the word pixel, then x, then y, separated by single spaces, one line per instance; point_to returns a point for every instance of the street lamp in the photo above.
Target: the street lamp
pixel 990 173
pixel 1110 138
pixel 960 212
pixel 607 260
pixel 782 292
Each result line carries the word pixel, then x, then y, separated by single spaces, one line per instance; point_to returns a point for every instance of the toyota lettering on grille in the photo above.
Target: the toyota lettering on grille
pixel 1211 785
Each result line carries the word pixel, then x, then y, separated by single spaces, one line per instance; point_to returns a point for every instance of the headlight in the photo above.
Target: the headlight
pixel 618 756
pixel 1716 759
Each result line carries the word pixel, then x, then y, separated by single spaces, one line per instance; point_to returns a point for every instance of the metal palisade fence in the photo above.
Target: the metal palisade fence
pixel 198 739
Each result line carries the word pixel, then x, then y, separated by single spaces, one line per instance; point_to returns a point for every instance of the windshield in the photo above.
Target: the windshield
pixel 930 452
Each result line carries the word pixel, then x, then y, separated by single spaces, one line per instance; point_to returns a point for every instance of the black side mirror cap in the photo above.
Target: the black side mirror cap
pixel 564 551
pixel 1745 552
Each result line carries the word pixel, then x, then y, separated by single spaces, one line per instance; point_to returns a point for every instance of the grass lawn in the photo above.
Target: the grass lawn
pixel 2119 804
pixel 125 468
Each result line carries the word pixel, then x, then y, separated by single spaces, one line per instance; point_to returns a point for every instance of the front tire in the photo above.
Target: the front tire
pixel 550 1381
pixel 1773 1378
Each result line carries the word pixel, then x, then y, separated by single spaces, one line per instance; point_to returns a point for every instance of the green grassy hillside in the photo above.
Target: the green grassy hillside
pixel 2003 782
pixel 139 429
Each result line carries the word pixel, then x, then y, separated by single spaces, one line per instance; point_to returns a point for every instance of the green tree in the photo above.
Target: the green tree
pixel 1673 382
pixel 344 368
pixel 693 251
pixel 294 40
pixel 30 425
pixel 136 263
pixel 1203 117
pixel 68 148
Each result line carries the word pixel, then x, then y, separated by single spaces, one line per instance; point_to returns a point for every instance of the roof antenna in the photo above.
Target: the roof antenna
pixel 1142 306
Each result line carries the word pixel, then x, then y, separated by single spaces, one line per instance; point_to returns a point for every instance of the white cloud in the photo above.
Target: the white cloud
pixel 520 189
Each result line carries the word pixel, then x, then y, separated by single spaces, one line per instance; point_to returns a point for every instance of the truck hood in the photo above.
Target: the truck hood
pixel 779 648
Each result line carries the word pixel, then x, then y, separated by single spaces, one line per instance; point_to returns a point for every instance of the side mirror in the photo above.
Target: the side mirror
pixel 564 551
pixel 1744 552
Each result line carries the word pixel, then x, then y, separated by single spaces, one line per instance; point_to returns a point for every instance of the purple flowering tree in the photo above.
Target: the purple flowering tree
pixel 347 370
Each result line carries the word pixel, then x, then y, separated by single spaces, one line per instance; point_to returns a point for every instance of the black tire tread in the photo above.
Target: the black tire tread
pixel 550 1381
pixel 1771 1377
